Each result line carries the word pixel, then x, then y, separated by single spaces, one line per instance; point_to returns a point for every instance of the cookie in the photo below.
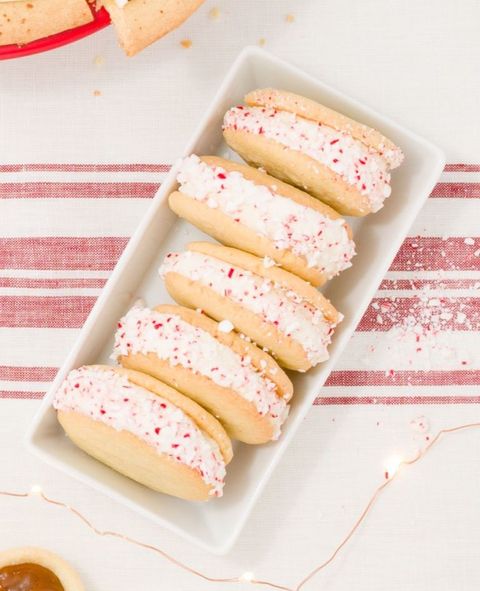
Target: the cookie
pixel 247 209
pixel 141 22
pixel 233 379
pixel 35 568
pixel 338 160
pixel 145 430
pixel 23 22
pixel 276 309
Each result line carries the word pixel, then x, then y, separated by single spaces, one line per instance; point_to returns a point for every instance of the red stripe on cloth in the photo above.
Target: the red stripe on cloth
pixel 27 374
pixel 132 190
pixel 462 168
pixel 360 378
pixel 421 284
pixel 97 254
pixel 456 190
pixel 85 167
pixel 21 395
pixel 321 400
pixel 455 167
pixel 394 400
pixel 431 253
pixel 45 311
pixel 128 167
pixel 28 283
pixel 382 315
pixel 345 378
pixel 385 313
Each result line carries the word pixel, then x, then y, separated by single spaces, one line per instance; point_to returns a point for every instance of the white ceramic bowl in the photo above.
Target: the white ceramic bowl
pixel 216 525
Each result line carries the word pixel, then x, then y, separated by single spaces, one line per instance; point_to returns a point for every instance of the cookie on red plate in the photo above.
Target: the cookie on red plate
pixel 24 21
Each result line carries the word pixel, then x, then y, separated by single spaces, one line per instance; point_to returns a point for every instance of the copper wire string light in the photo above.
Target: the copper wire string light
pixel 247 576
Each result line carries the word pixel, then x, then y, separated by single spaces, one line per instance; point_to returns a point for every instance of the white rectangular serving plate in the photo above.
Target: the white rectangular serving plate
pixel 216 525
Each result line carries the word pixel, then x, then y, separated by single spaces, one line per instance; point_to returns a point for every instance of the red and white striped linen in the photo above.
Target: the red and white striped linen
pixel 63 227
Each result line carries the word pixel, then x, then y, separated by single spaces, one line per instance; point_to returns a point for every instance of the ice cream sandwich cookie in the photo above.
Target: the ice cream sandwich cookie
pixel 145 430
pixel 233 379
pixel 247 209
pixel 338 160
pixel 278 310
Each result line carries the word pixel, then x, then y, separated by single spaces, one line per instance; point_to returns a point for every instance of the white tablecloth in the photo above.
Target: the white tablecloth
pixel 415 61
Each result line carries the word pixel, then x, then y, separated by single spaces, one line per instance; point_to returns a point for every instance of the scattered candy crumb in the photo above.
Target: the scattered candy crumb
pixel 138 303
pixel 225 326
pixel 424 322
pixel 290 18
pixel 99 60
pixel 420 424
pixel 262 41
pixel 268 262
pixel 97 93
pixel 214 13
pixel 423 254
pixel 186 43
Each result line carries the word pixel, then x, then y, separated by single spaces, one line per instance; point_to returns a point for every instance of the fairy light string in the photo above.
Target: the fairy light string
pixel 249 577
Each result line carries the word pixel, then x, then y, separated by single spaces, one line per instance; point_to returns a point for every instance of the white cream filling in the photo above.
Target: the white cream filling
pixel 356 163
pixel 171 338
pixel 108 397
pixel 323 242
pixel 272 302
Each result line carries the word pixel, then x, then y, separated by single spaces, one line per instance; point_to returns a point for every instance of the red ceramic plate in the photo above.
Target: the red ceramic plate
pixel 101 20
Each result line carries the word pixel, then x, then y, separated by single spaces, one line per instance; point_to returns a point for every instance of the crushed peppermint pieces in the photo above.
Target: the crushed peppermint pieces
pixel 420 424
pixel 225 326
pixel 268 262
pixel 424 324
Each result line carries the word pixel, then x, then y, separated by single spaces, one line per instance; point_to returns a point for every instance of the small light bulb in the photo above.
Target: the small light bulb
pixel 391 466
pixel 36 490
pixel 247 576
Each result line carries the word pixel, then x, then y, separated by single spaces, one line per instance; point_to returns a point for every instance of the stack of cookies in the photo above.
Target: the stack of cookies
pixel 193 375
